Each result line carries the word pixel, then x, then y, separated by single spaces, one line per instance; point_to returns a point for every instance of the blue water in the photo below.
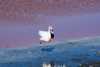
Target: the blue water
pixel 69 53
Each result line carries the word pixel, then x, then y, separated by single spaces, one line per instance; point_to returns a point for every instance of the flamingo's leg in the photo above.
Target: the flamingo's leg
pixel 40 42
pixel 45 49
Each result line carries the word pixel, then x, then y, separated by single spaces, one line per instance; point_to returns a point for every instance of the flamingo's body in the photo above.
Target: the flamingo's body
pixel 45 36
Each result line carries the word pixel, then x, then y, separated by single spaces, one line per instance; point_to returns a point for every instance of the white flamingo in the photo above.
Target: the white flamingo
pixel 45 36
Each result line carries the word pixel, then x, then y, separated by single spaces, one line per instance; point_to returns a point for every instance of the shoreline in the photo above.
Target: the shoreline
pixel 50 43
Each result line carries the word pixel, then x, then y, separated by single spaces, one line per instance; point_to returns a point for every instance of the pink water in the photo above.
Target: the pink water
pixel 71 19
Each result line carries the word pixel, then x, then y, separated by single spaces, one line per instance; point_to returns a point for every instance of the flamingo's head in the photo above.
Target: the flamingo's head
pixel 50 28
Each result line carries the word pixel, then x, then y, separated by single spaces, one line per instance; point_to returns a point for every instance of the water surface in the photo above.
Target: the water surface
pixel 71 19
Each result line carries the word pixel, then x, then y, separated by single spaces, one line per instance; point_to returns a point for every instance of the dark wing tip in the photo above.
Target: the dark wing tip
pixel 52 35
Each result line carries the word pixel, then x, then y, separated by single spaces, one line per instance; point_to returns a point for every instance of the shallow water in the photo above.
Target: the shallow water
pixel 73 53
pixel 21 20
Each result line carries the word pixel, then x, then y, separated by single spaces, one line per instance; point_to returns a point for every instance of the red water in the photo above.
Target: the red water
pixel 71 19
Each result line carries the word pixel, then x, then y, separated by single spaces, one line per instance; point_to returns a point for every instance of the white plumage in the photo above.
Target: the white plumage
pixel 45 36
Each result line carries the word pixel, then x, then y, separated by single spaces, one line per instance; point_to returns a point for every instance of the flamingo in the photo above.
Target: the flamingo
pixel 45 36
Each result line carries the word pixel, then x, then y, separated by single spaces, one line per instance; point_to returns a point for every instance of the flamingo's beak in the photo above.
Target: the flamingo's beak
pixel 52 29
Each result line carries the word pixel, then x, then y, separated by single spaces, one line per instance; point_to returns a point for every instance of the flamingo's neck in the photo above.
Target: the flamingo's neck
pixel 49 29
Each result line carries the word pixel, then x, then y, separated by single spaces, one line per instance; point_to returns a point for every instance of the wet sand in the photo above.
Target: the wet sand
pixel 72 53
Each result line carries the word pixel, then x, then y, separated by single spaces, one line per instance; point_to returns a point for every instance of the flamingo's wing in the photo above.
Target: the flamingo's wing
pixel 43 34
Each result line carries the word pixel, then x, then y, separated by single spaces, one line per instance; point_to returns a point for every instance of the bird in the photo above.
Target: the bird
pixel 45 36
